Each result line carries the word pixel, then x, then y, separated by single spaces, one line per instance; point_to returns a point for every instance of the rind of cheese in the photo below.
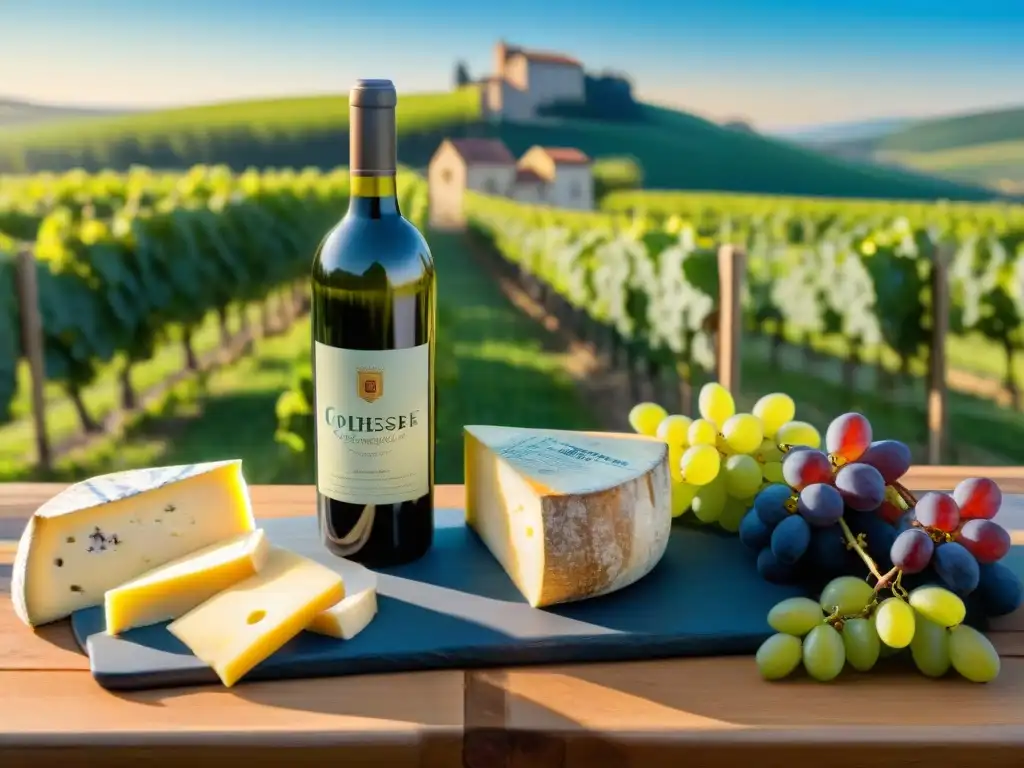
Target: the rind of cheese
pixel 174 589
pixel 569 515
pixel 238 628
pixel 352 615
pixel 103 532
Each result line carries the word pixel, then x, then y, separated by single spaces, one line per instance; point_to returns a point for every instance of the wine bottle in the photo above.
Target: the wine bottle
pixel 373 307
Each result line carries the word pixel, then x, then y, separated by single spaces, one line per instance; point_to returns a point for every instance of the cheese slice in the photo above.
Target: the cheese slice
pixel 238 628
pixel 174 589
pixel 569 515
pixel 103 532
pixel 352 615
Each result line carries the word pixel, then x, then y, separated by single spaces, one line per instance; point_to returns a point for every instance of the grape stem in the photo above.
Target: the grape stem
pixel 883 580
pixel 908 498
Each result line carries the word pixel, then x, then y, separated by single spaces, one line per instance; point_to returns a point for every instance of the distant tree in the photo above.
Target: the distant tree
pixel 608 96
pixel 616 174
pixel 461 74
pixel 740 125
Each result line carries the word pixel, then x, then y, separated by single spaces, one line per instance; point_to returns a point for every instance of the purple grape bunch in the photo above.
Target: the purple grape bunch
pixel 801 529
pixel 954 539
pixel 801 516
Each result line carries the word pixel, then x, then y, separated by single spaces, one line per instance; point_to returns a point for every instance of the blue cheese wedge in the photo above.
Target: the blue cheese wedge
pixel 103 532
pixel 569 515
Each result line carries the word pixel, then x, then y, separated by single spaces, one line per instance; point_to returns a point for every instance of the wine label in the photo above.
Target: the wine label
pixel 372 423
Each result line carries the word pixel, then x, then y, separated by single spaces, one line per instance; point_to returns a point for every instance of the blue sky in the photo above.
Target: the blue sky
pixel 777 62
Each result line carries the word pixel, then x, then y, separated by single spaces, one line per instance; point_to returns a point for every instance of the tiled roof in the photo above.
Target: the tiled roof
pixel 485 151
pixel 543 57
pixel 566 156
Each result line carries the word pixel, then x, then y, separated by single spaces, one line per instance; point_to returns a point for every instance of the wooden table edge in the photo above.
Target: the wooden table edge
pixel 491 741
pixel 484 733
pixel 254 749
pixel 551 749
pixel 233 737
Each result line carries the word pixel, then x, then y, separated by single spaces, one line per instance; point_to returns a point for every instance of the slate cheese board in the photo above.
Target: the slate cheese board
pixel 456 608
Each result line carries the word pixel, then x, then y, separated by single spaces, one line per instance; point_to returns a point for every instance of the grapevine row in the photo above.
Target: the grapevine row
pixel 122 259
pixel 856 271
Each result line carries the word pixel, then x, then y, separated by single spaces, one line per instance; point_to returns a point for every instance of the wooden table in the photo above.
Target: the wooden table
pixel 699 712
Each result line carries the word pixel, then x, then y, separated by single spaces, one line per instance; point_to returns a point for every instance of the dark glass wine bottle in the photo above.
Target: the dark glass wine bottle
pixel 373 292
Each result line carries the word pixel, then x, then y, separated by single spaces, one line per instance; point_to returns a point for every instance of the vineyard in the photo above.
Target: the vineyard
pixel 980 245
pixel 852 279
pixel 135 278
pixel 126 264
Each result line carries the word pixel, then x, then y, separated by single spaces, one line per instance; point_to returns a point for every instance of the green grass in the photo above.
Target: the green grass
pixel 980 432
pixel 228 414
pixel 972 353
pixel 505 376
pixel 676 150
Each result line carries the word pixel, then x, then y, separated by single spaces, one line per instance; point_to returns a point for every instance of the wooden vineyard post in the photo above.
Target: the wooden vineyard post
pixel 937 388
pixel 32 342
pixel 731 266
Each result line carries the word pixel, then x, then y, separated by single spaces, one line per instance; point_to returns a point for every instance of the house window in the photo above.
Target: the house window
pixel 490 187
pixel 575 191
pixel 446 176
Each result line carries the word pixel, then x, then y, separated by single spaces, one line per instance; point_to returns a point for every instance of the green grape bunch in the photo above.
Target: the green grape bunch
pixel 852 624
pixel 720 460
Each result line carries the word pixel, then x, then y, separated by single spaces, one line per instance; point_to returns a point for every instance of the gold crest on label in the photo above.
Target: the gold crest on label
pixel 370 384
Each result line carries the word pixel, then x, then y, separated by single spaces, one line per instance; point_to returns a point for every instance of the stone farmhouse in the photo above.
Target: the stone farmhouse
pixel 525 80
pixel 561 177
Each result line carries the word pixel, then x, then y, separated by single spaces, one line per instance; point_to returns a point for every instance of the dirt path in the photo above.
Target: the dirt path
pixel 605 389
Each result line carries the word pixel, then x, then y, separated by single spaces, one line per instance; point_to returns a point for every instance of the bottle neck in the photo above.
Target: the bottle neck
pixel 373 158
pixel 373 196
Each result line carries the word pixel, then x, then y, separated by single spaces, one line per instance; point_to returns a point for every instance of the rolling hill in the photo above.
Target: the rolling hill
pixel 861 130
pixel 999 165
pixel 984 148
pixel 676 150
pixel 22 113
pixel 957 131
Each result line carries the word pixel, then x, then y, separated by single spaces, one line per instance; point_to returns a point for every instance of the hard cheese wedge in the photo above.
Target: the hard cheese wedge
pixel 348 618
pixel 174 589
pixel 238 628
pixel 352 615
pixel 569 515
pixel 103 532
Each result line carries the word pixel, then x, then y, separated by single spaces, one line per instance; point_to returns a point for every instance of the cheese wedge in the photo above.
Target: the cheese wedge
pixel 174 589
pixel 569 515
pixel 238 628
pixel 352 615
pixel 103 532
